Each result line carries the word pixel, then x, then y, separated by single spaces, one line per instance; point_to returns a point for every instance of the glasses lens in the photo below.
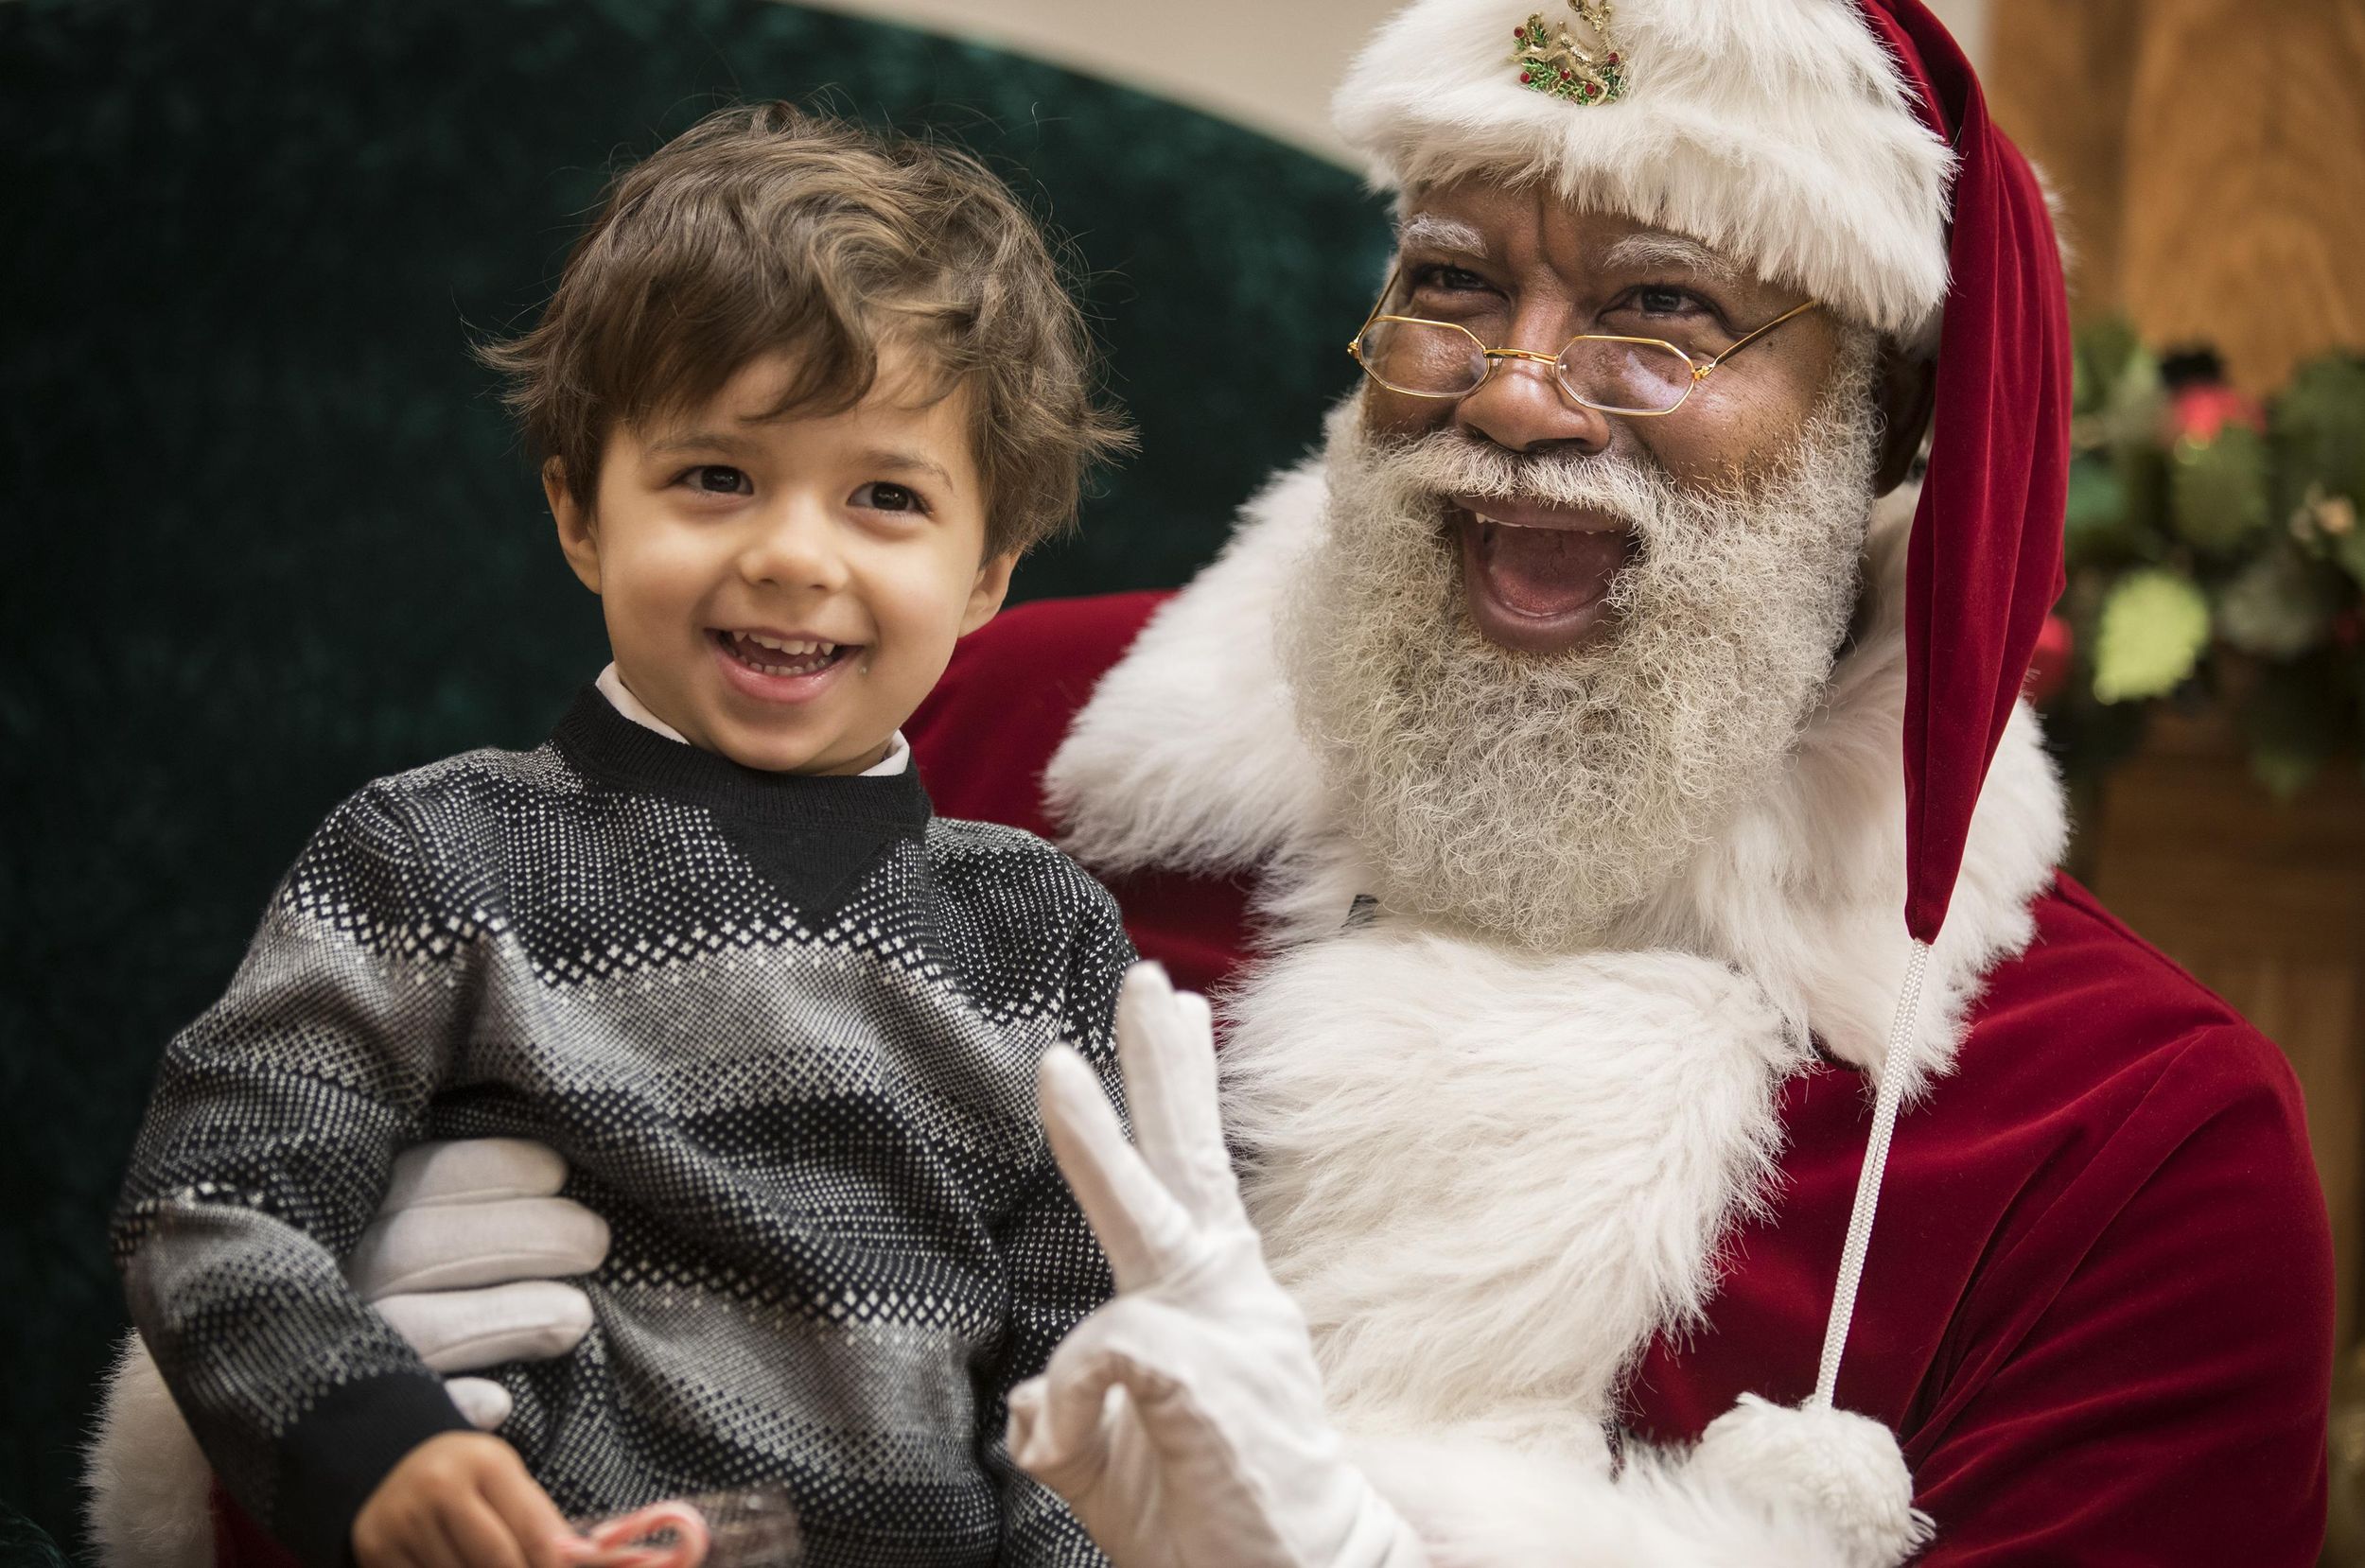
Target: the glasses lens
pixel 1623 377
pixel 1422 357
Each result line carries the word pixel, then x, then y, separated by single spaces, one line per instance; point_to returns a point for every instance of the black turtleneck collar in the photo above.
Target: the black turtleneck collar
pixel 604 744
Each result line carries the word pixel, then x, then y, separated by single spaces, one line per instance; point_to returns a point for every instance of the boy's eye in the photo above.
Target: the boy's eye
pixel 717 478
pixel 880 496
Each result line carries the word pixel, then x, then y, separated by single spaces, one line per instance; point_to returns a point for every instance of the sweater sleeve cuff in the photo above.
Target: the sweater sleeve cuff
pixel 334 1456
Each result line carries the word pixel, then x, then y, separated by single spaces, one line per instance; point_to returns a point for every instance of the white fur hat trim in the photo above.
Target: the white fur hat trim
pixel 1779 131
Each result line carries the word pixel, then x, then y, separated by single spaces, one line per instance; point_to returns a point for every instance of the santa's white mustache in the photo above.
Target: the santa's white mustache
pixel 1449 464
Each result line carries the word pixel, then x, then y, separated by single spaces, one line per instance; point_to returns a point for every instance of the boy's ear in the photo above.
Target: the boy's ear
pixel 986 595
pixel 575 534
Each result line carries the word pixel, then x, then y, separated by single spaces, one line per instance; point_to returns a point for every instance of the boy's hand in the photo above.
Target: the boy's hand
pixel 459 1500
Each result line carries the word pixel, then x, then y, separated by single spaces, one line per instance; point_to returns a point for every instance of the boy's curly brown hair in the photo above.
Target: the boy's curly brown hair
pixel 767 228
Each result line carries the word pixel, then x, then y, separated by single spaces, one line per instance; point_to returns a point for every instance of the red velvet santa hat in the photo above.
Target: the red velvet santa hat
pixel 1844 147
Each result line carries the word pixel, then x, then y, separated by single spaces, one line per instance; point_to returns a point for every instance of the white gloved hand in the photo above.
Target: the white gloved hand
pixel 464 1260
pixel 1183 1422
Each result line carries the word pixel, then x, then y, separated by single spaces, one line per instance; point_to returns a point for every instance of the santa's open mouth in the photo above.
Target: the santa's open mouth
pixel 782 657
pixel 1537 578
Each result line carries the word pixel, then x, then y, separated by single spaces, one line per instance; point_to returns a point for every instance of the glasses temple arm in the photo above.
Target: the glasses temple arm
pixel 1701 373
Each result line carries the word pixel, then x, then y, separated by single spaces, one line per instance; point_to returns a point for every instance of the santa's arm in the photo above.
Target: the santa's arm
pixel 2151 1388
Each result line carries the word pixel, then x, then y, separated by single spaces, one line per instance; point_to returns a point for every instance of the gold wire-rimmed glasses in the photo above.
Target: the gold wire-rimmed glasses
pixel 1639 378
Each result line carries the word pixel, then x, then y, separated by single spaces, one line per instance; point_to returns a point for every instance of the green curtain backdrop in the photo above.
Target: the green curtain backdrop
pixel 268 536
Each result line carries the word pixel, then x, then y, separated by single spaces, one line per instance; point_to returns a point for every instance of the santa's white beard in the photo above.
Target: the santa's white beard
pixel 1539 798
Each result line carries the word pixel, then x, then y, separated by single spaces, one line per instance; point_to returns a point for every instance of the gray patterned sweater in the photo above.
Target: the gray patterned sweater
pixel 783 1029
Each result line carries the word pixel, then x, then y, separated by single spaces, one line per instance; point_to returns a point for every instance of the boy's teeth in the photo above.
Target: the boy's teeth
pixel 782 655
pixel 788 645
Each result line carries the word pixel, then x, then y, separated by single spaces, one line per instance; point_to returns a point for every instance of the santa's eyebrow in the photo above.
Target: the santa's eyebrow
pixel 1429 232
pixel 1638 251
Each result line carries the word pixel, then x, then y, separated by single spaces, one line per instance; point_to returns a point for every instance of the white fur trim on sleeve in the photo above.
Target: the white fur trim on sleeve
pixel 151 1491
pixel 1477 1502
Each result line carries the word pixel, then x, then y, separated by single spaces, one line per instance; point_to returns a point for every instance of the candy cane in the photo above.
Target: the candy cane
pixel 619 1543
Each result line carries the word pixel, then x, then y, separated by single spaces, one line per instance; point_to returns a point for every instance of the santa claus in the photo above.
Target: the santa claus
pixel 1622 856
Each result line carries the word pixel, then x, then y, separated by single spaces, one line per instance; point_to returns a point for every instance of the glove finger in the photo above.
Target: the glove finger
pixel 471 1170
pixel 1068 1431
pixel 483 1403
pixel 1152 1052
pixel 447 1247
pixel 1166 1047
pixel 1022 1418
pixel 1139 1225
pixel 466 1331
pixel 1141 1228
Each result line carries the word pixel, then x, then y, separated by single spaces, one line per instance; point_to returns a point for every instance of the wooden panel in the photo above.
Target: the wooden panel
pixel 2245 196
pixel 2058 77
pixel 2211 157
pixel 2265 905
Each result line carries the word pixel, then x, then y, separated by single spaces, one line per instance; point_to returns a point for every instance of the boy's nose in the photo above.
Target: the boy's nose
pixel 793 551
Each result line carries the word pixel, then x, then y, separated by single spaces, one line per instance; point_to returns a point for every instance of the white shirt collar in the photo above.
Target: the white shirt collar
pixel 611 685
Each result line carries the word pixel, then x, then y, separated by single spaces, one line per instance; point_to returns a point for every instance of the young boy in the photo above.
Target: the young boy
pixel 803 397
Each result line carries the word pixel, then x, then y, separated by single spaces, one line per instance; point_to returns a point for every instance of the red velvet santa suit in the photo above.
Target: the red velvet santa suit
pixel 2096 1310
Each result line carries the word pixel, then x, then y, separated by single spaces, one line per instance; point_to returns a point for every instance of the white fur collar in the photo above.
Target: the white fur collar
pixel 1187 756
pixel 1490 1177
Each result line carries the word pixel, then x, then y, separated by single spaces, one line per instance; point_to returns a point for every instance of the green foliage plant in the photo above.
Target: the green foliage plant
pixel 2215 560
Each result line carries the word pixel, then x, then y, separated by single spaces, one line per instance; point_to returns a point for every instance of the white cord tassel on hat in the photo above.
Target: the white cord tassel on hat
pixel 1902 1032
pixel 1843 1469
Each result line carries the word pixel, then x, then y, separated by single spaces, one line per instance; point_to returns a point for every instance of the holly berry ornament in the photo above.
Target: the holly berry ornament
pixel 1576 60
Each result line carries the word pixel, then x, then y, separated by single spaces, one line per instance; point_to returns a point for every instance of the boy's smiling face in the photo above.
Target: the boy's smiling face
pixel 785 590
